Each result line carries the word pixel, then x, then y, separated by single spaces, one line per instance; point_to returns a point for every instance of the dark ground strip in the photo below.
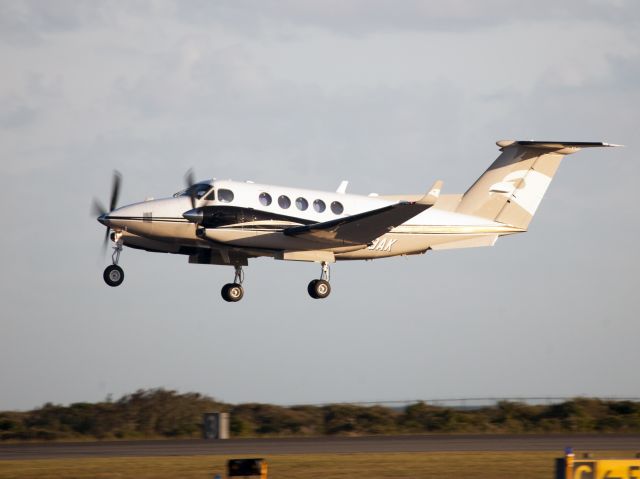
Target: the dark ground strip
pixel 322 445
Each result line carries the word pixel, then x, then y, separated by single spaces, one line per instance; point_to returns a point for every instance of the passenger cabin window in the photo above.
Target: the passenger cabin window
pixel 319 206
pixel 302 204
pixel 265 199
pixel 337 207
pixel 225 196
pixel 284 202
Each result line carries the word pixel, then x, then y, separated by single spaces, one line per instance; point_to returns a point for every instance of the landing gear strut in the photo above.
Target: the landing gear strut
pixel 233 292
pixel 113 274
pixel 320 288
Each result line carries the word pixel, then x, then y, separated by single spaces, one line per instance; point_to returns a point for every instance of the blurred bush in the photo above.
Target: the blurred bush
pixel 161 413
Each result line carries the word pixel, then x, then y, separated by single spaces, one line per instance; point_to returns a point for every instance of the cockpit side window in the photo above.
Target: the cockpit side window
pixel 225 196
pixel 211 196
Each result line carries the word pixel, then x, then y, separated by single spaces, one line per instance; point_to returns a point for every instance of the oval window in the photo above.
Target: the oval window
pixel 225 196
pixel 284 202
pixel 337 207
pixel 302 204
pixel 265 199
pixel 319 206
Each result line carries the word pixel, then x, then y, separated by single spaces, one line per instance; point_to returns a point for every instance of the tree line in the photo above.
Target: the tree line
pixel 161 413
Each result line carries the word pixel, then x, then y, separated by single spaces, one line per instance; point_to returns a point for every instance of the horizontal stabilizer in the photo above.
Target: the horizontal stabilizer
pixel 555 145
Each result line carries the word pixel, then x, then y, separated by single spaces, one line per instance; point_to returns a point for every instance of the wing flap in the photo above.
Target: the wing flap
pixel 363 228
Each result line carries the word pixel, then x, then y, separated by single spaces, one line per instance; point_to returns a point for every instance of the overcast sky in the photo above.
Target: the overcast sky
pixel 389 95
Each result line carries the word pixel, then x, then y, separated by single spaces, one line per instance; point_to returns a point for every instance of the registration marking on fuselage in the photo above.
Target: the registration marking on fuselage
pixel 382 244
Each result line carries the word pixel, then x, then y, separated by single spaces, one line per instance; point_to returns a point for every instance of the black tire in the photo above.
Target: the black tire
pixel 311 289
pixel 319 289
pixel 232 292
pixel 113 275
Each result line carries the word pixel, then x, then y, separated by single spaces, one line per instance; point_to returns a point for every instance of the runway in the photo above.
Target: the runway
pixel 322 445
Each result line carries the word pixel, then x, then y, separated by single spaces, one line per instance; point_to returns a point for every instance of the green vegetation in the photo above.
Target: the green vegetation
pixel 479 465
pixel 160 413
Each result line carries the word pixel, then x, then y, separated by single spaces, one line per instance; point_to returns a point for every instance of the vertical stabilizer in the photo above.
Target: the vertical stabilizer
pixel 512 188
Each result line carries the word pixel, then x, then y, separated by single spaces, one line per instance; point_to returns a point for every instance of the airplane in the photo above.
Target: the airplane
pixel 224 222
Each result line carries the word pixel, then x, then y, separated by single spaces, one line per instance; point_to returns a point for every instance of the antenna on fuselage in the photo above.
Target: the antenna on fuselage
pixel 343 187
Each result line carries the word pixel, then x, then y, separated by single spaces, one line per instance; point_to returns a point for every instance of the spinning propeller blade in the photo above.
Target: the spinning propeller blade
pixel 97 208
pixel 190 181
pixel 115 190
pixel 106 239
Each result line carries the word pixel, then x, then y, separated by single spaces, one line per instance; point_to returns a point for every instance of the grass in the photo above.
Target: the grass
pixel 479 465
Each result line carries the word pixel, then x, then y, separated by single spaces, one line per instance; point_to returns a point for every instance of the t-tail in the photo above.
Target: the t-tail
pixel 512 188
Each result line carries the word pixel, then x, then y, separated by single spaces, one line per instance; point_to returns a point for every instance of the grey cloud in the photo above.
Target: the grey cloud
pixel 15 113
pixel 378 16
pixel 26 22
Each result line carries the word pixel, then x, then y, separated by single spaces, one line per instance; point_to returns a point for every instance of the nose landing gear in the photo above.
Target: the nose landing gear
pixel 233 292
pixel 320 288
pixel 113 274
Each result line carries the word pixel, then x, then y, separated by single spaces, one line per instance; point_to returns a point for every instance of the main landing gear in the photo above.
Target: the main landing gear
pixel 320 288
pixel 233 292
pixel 113 274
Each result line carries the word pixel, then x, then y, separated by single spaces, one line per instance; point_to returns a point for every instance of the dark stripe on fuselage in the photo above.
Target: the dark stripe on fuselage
pixel 280 227
pixel 148 219
pixel 216 216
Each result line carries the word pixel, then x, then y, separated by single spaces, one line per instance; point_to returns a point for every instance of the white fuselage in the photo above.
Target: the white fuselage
pixel 159 225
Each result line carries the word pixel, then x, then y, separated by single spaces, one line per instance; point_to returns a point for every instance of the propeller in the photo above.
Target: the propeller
pixel 98 208
pixel 193 215
pixel 189 179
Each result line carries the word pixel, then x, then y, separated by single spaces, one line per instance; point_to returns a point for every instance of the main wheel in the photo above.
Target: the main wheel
pixel 113 275
pixel 232 292
pixel 319 288
pixel 311 288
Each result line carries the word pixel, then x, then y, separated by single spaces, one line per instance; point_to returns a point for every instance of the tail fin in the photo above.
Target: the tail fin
pixel 512 188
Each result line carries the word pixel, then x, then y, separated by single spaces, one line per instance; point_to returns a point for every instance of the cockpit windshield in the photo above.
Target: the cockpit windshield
pixel 198 190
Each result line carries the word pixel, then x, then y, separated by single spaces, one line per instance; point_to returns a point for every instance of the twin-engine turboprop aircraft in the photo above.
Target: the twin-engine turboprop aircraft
pixel 227 222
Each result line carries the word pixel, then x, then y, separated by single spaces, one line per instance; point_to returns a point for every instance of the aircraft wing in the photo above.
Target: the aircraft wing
pixel 363 228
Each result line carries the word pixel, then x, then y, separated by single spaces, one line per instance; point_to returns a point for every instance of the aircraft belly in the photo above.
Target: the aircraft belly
pixel 395 244
pixel 140 242
pixel 390 244
pixel 137 227
pixel 176 231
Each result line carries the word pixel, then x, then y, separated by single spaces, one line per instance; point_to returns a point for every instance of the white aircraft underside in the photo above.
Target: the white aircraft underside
pixel 227 222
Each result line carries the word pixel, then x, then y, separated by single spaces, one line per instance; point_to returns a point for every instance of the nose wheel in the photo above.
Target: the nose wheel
pixel 320 288
pixel 113 274
pixel 233 292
